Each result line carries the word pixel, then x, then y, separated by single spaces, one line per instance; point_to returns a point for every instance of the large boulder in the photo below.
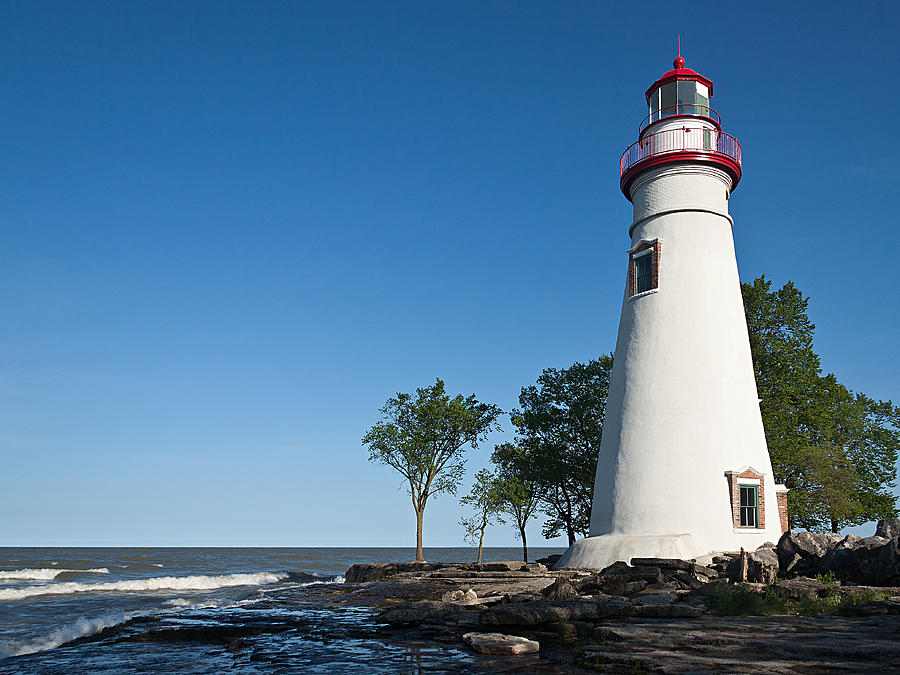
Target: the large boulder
pixel 762 566
pixel 889 528
pixel 500 644
pixel 561 589
pixel 869 560
pixel 803 552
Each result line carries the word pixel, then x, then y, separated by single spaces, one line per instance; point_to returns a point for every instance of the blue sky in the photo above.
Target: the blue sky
pixel 230 231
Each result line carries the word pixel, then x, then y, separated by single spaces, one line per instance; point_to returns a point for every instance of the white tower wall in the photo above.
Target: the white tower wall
pixel 682 408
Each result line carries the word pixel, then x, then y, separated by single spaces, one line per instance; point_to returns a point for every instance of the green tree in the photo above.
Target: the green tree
pixel 835 449
pixel 559 425
pixel 520 495
pixel 424 436
pixel 486 499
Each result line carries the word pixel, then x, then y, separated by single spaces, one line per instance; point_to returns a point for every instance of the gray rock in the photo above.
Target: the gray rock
pixel 550 560
pixel 803 552
pixel 869 560
pixel 655 599
pixel 801 587
pixel 461 597
pixel 561 589
pixel 416 612
pixel 889 528
pixel 608 634
pixel 673 611
pixel 665 563
pixel 763 566
pixel 546 611
pixel 500 644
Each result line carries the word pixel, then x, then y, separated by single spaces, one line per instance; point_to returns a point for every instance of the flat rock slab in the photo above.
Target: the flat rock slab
pixel 546 611
pixel 500 644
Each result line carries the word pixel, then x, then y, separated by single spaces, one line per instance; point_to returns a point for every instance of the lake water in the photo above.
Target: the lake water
pixel 112 610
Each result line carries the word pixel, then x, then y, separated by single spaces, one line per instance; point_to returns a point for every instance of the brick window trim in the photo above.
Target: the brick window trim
pixel 746 476
pixel 634 252
pixel 781 496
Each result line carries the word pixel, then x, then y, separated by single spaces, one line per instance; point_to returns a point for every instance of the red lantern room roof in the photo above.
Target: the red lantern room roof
pixel 679 73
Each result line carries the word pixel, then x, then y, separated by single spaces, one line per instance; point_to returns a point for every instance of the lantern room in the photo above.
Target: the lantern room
pixel 681 91
pixel 680 127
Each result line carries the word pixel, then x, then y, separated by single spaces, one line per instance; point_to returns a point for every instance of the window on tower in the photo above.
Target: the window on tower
pixel 644 269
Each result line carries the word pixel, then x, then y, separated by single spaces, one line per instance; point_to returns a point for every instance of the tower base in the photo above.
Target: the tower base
pixel 595 553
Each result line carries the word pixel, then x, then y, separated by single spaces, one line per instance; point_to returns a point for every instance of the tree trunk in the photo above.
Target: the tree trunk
pixel 524 544
pixel 480 542
pixel 834 525
pixel 419 515
pixel 570 532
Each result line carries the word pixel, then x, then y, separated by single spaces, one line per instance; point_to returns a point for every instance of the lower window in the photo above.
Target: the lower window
pixel 749 506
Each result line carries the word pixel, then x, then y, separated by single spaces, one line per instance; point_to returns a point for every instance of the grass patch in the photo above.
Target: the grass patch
pixel 739 601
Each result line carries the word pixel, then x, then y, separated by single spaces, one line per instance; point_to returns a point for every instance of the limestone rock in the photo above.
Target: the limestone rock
pixel 763 566
pixel 461 597
pixel 889 528
pixel 416 612
pixel 550 560
pixel 546 611
pixel 869 560
pixel 500 644
pixel 803 552
pixel 801 587
pixel 673 611
pixel 561 589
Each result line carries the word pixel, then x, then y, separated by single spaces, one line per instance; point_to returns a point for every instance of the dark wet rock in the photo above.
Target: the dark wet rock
pixel 889 528
pixel 500 644
pixel 561 589
pixel 416 612
pixel 546 611
pixel 763 566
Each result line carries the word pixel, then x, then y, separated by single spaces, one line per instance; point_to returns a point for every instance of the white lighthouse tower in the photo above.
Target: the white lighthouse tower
pixel 683 467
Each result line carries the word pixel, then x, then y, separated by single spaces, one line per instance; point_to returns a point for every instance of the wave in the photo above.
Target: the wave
pixel 79 629
pixel 45 574
pixel 191 583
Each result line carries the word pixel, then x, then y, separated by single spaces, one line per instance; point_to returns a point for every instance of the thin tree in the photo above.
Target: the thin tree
pixel 521 496
pixel 486 499
pixel 424 436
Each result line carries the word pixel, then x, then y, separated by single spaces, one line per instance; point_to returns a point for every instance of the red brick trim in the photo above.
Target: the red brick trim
pixel 632 271
pixel 734 482
pixel 781 496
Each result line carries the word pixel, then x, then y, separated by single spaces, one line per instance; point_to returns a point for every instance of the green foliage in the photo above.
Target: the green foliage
pixel 728 600
pixel 835 449
pixel 486 499
pixel 559 425
pixel 826 577
pixel 423 436
pixel 520 494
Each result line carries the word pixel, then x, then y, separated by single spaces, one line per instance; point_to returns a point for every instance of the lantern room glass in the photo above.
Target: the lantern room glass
pixel 683 97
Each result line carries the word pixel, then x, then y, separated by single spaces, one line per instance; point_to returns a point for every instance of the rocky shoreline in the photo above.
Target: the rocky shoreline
pixel 809 603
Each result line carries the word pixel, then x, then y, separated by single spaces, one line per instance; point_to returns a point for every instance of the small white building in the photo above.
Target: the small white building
pixel 683 466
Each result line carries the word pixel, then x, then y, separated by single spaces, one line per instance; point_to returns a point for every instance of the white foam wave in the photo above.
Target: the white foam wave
pixel 191 583
pixel 79 629
pixel 44 574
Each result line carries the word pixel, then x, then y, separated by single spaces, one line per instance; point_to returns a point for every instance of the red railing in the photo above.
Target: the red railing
pixel 687 139
pixel 691 109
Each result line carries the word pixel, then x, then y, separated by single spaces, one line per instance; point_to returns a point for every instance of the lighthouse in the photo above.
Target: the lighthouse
pixel 683 467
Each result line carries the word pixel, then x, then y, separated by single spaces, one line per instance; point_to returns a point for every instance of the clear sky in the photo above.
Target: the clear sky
pixel 230 231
